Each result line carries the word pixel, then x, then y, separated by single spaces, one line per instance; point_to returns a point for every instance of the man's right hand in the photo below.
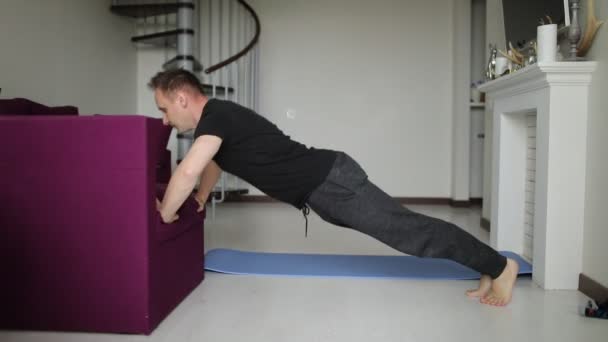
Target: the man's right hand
pixel 201 200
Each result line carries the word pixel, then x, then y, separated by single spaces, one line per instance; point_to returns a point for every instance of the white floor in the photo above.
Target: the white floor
pixel 252 309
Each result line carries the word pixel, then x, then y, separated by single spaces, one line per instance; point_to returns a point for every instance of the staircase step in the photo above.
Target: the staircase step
pixel 174 62
pixel 167 38
pixel 219 90
pixel 229 192
pixel 185 135
pixel 147 10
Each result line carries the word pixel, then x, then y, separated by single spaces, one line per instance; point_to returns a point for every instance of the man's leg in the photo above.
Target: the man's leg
pixel 348 199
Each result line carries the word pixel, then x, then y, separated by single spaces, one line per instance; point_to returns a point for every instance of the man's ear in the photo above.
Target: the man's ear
pixel 182 99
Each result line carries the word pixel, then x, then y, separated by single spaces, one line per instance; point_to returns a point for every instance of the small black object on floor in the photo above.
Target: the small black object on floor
pixel 597 310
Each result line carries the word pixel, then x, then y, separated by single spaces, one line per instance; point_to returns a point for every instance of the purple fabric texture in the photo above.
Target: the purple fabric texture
pixel 83 247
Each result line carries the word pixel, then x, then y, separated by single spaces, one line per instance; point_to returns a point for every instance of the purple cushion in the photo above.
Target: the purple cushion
pixel 21 106
pixel 15 106
pixel 60 110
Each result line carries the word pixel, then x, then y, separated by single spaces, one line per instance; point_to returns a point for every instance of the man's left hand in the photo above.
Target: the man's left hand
pixel 165 219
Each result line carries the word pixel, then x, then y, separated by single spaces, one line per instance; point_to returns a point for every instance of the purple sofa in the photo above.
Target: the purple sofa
pixel 83 247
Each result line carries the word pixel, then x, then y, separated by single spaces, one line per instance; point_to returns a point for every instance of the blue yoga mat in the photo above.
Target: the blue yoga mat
pixel 331 265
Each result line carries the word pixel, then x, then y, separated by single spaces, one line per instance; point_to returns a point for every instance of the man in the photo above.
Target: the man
pixel 238 140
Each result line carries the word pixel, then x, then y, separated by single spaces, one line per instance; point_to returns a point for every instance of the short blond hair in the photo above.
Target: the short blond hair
pixel 169 81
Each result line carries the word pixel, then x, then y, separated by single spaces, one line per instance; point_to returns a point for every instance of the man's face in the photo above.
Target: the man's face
pixel 173 109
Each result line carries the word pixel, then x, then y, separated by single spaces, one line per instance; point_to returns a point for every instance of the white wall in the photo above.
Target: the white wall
pixel 495 34
pixel 461 123
pixel 478 40
pixel 477 72
pixel 372 78
pixel 596 215
pixel 61 52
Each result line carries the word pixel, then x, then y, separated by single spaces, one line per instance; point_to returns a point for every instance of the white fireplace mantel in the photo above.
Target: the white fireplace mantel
pixel 555 94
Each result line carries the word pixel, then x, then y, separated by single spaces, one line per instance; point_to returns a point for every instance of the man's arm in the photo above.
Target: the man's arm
pixel 209 178
pixel 184 178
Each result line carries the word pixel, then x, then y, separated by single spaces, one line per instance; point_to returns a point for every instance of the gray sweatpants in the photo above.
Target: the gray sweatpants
pixel 348 199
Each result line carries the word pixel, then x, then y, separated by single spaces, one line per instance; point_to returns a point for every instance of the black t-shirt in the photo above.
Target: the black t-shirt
pixel 256 150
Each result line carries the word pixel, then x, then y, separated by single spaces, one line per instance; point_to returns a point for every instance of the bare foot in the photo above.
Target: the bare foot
pixel 485 283
pixel 502 287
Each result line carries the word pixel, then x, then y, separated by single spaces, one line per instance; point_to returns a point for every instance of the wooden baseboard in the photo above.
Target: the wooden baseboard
pixel 402 200
pixel 485 223
pixel 465 203
pixel 251 199
pixel 423 200
pixel 476 201
pixel 460 203
pixel 592 289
